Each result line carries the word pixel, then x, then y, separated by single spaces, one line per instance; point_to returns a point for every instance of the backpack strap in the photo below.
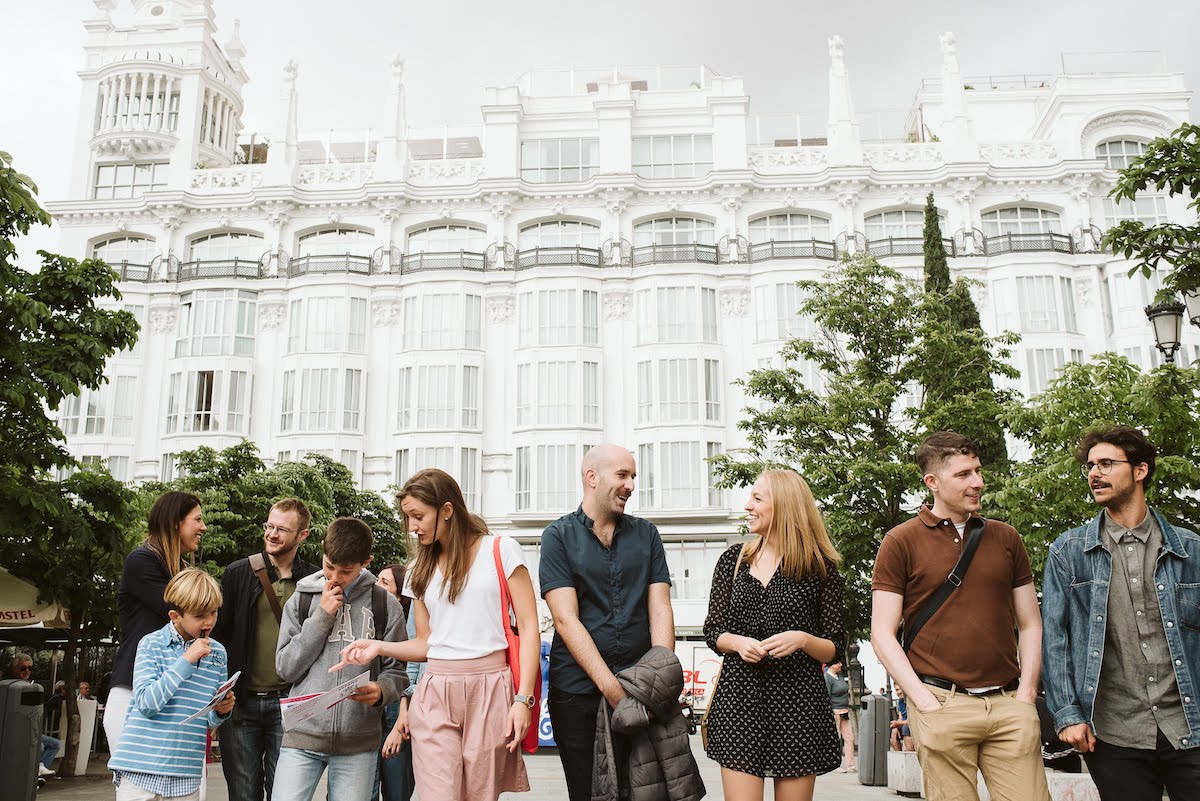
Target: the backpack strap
pixel 259 566
pixel 953 581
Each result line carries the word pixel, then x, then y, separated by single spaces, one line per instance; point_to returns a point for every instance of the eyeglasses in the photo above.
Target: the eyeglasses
pixel 25 669
pixel 269 527
pixel 1105 466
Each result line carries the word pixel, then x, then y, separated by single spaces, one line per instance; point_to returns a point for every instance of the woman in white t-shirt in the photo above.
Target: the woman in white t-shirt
pixel 465 720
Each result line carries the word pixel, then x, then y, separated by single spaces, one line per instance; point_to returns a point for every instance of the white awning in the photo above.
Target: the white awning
pixel 19 605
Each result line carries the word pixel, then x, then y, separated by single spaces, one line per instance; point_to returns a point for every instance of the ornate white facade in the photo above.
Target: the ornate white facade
pixel 617 254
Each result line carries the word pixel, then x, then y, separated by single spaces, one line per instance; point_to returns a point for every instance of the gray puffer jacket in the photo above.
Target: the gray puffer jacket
pixel 660 764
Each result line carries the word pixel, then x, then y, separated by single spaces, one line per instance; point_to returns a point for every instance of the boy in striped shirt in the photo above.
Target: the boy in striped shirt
pixel 177 672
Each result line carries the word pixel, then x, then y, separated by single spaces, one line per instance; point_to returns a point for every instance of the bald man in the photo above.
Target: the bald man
pixel 604 576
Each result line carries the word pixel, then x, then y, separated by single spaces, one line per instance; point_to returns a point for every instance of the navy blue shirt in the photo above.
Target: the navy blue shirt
pixel 612 585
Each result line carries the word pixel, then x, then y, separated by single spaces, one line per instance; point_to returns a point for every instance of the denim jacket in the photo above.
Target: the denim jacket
pixel 1075 606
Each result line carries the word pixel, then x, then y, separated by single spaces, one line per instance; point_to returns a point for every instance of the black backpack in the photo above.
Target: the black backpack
pixel 379 612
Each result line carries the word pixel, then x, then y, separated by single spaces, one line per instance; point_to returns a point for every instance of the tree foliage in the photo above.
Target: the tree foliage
pixel 853 438
pixel 1170 163
pixel 1045 494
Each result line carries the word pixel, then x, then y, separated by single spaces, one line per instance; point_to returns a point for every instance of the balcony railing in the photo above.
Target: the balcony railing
pixel 458 260
pixel 1026 243
pixel 904 246
pixel 132 272
pixel 793 249
pixel 668 254
pixel 308 265
pixel 219 268
pixel 558 257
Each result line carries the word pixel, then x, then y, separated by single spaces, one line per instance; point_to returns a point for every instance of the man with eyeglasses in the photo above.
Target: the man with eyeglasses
pixel 1121 630
pixel 248 626
pixel 21 669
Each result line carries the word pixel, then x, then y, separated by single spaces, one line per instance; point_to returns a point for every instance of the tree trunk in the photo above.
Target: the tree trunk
pixel 71 736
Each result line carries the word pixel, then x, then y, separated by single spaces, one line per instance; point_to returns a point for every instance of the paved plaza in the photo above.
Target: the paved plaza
pixel 545 779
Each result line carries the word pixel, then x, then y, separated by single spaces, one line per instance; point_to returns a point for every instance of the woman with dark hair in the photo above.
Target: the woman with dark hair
pixel 175 526
pixel 465 721
pixel 395 760
pixel 775 613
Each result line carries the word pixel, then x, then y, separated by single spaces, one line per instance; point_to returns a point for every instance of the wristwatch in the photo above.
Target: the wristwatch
pixel 527 700
pixel 408 691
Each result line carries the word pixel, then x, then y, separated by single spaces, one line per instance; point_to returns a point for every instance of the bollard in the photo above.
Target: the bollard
pixel 873 734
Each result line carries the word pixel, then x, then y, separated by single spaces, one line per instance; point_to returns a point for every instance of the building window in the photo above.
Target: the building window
pixel 168 471
pixel 142 105
pixel 1120 153
pixel 227 246
pixel 691 565
pixel 1020 220
pixel 898 224
pixel 427 397
pixel 559 160
pixel 118 181
pixel 559 234
pixel 118 250
pixel 672 156
pixel 672 390
pixel 1131 295
pixel 106 410
pixel 546 477
pixel 448 239
pixel 328 325
pixel 1042 365
pixel 554 393
pixel 337 242
pixel 677 475
pixel 676 314
pixel 673 231
pixel 789 227
pixel 1147 209
pixel 321 399
pixel 442 322
pixel 777 313
pixel 217 322
pixel 464 468
pixel 198 400
pixel 558 317
pixel 1038 304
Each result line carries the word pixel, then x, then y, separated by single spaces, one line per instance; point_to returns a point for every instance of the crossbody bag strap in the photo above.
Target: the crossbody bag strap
pixel 953 581
pixel 259 566
pixel 505 595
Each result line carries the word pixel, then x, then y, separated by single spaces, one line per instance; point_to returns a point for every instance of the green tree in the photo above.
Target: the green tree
pixel 853 437
pixel 957 363
pixel 1046 495
pixel 1170 163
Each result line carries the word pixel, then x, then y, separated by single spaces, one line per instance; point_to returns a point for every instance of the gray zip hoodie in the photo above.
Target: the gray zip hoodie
pixel 309 648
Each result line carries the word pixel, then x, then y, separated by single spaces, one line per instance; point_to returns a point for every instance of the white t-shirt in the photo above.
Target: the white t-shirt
pixel 471 626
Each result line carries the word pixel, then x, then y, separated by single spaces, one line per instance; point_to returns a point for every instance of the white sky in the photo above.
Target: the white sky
pixel 453 50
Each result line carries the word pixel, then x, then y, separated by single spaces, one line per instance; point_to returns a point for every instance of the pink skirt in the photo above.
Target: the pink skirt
pixel 458 717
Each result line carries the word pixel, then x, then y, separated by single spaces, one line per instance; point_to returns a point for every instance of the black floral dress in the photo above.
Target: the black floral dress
pixel 773 718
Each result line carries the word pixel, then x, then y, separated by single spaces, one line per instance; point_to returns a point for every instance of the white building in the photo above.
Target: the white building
pixel 597 261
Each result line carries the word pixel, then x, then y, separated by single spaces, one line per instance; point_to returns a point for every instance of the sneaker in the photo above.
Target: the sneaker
pixel 44 771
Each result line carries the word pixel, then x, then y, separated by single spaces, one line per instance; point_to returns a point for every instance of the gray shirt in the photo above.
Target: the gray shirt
pixel 1138 695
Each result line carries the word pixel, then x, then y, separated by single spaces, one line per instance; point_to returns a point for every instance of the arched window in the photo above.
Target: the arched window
pixel 789 227
pixel 227 245
pixel 448 239
pixel 673 231
pixel 1119 153
pixel 125 250
pixel 337 242
pixel 1020 220
pixel 898 224
pixel 560 234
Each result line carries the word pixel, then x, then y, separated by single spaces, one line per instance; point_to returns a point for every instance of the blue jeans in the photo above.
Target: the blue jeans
pixel 299 771
pixel 396 774
pixel 50 747
pixel 250 742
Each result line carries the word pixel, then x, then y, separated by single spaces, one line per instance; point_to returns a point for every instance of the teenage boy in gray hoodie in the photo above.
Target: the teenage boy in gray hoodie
pixel 329 610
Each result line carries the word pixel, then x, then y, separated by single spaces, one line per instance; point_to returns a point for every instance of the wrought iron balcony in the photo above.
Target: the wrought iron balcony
pixel 669 254
pixel 457 260
pixel 219 268
pixel 904 246
pixel 345 263
pixel 1027 243
pixel 558 257
pixel 132 272
pixel 793 249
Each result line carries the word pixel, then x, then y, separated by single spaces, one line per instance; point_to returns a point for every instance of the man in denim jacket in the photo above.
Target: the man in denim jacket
pixel 1121 631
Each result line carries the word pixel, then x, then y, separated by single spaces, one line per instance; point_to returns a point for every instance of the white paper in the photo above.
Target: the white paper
pixel 300 708
pixel 221 692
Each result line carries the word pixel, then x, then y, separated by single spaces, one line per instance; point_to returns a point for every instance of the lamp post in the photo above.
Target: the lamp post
pixel 1166 318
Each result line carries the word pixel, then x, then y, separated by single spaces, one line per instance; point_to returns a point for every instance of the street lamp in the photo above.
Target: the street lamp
pixel 1167 319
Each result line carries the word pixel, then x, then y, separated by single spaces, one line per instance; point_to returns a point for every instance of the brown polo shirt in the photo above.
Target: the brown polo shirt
pixel 971 640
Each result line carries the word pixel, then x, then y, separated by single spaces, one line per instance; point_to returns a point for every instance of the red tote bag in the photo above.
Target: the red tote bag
pixel 530 743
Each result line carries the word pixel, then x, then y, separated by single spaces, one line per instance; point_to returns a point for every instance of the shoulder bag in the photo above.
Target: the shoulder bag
pixel 908 633
pixel 530 744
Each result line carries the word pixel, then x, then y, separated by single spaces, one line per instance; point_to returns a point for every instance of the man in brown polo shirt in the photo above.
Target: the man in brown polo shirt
pixel 970 681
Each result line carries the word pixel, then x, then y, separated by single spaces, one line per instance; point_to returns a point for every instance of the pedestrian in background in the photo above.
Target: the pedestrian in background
pixel 839 699
pixel 396 780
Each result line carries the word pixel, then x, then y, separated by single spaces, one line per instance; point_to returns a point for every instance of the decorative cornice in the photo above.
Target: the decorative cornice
pixel 386 313
pixel 271 316
pixel 735 302
pixel 163 321
pixel 500 308
pixel 617 305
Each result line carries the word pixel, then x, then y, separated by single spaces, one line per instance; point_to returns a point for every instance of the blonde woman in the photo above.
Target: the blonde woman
pixel 775 614
pixel 175 526
pixel 465 721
